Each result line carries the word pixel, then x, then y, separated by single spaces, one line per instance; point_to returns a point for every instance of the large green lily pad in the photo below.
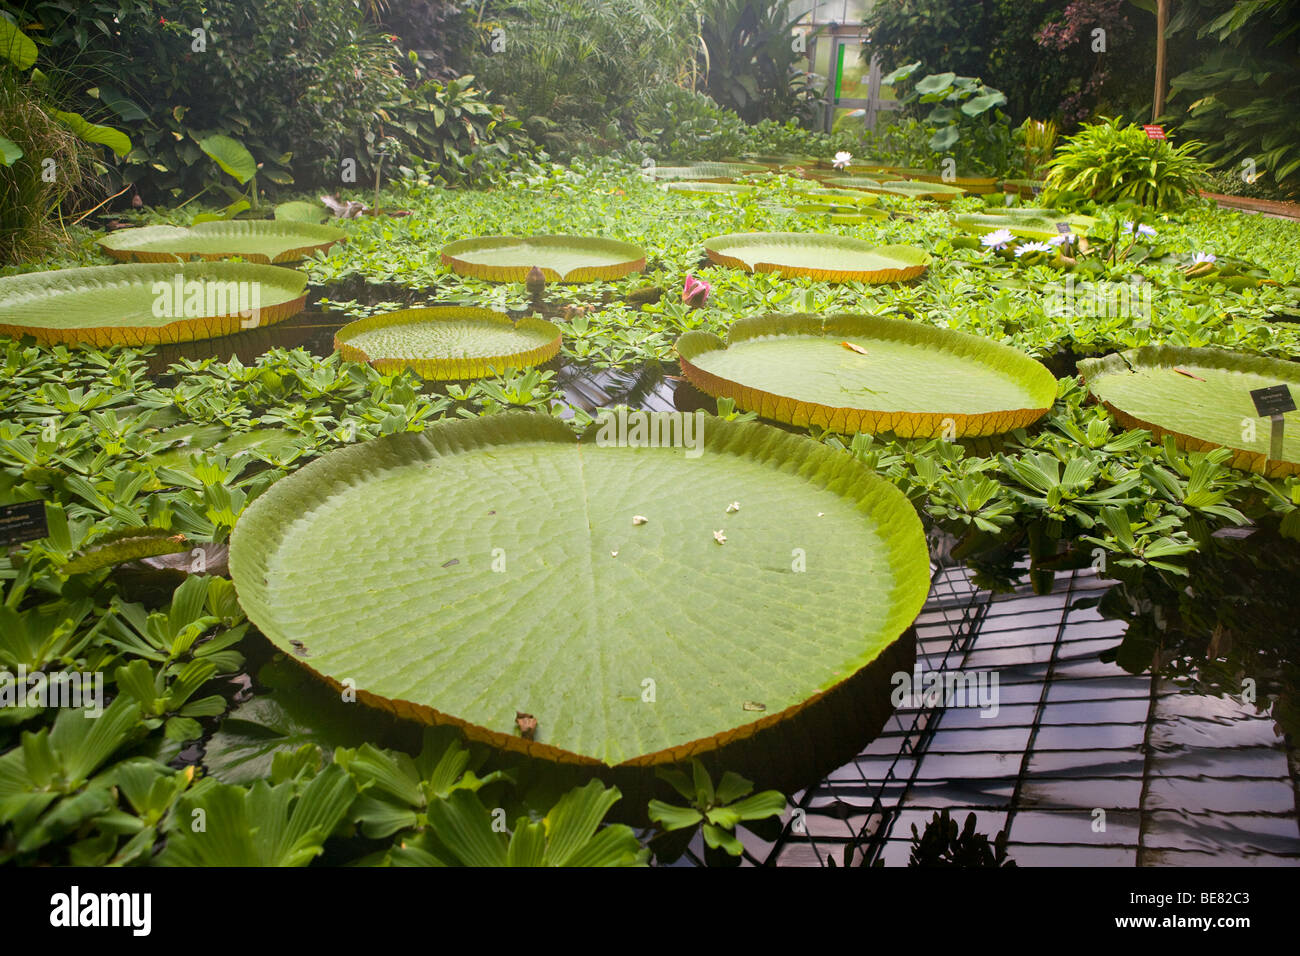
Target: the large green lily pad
pixel 841 181
pixel 1025 222
pixel 937 192
pixel 703 188
pixel 448 342
pixel 861 373
pixel 561 258
pixel 842 197
pixel 486 568
pixel 148 304
pixel 1202 398
pixel 833 258
pixel 254 240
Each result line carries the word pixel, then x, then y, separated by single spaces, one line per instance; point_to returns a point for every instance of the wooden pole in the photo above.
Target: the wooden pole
pixel 1162 20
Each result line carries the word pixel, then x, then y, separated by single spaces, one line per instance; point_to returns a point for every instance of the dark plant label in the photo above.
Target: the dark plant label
pixel 22 522
pixel 1063 228
pixel 1274 400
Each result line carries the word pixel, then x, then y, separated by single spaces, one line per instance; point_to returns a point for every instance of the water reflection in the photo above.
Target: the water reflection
pixel 1231 630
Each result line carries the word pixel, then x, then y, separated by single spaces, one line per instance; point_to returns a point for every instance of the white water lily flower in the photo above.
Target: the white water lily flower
pixel 1142 230
pixel 1202 257
pixel 842 160
pixel 1027 247
pixel 1067 237
pixel 997 239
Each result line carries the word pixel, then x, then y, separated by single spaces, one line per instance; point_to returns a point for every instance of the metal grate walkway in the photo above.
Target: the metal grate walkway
pixel 1087 764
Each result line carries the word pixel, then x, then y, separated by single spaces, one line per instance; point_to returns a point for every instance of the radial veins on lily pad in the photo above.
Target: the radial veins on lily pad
pixel 561 258
pixel 148 304
pixel 830 258
pixel 448 342
pixel 489 568
pixel 862 373
pixel 1202 398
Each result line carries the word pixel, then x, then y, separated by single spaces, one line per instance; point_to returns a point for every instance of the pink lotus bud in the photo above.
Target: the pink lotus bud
pixel 695 292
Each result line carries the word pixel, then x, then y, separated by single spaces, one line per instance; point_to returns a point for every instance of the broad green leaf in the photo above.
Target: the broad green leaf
pixel 983 102
pixel 464 825
pixel 256 240
pixel 90 132
pixel 228 213
pixel 409 632
pixel 292 711
pixel 945 139
pixel 16 46
pixel 826 257
pixel 127 545
pixel 448 342
pixel 857 373
pixel 760 806
pixel 572 822
pixel 1202 398
pixel 147 304
pixel 672 817
pixel 231 156
pixel 125 108
pixel 717 838
pixel 732 787
pixel 561 258
pixel 934 83
pixel 284 825
pixel 10 152
pixel 299 211
pixel 709 189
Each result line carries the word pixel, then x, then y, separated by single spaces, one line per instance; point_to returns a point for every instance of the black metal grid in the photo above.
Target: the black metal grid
pixel 1178 778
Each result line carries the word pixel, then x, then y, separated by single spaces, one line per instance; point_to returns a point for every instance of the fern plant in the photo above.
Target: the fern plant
pixel 1109 162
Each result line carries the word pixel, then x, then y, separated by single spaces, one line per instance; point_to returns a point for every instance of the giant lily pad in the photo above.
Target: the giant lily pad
pixel 703 172
pixel 861 373
pixel 494 567
pixel 1025 222
pixel 1202 398
pixel 448 342
pixel 938 192
pixel 561 258
pixel 834 258
pixel 970 184
pixel 703 188
pixel 148 304
pixel 842 197
pixel 840 181
pixel 256 240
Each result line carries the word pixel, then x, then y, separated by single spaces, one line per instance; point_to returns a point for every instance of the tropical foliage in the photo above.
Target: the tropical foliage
pixel 1237 95
pixel 1040 53
pixel 749 61
pixel 1110 160
pixel 966 121
pixel 308 90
